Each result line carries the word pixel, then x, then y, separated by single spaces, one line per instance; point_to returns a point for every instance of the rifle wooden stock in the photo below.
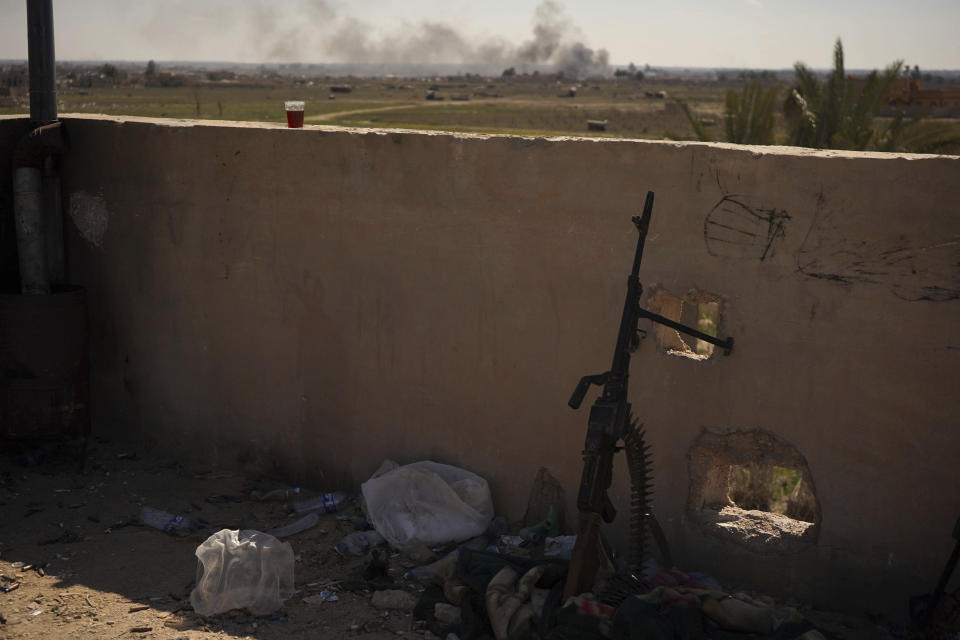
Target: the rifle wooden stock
pixel 585 557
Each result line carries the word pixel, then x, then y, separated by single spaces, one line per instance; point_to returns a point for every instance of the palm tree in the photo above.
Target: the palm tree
pixel 918 135
pixel 837 114
pixel 748 118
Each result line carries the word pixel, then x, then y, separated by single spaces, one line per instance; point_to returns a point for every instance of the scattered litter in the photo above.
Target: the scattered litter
pixel 548 527
pixel 426 573
pixel 498 527
pixel 432 502
pixel 417 553
pixel 324 596
pixel 376 573
pixel 139 607
pixel 328 502
pixel 36 612
pixel 394 599
pixel 358 522
pixel 307 522
pixel 323 582
pixel 276 494
pixel 446 613
pixel 17 565
pixel 243 569
pixel 559 547
pixel 140 629
pixel 165 521
pixel 553 547
pixel 7 588
pixel 221 498
pixel 66 537
pixel 359 542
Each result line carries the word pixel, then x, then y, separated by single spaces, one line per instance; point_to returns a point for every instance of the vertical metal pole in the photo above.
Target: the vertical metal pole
pixel 53 221
pixel 28 216
pixel 42 62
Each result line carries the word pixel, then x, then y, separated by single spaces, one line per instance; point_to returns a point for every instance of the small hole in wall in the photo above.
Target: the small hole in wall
pixel 698 310
pixel 752 490
pixel 767 487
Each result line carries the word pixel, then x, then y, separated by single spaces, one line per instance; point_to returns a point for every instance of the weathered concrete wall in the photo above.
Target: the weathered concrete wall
pixel 322 299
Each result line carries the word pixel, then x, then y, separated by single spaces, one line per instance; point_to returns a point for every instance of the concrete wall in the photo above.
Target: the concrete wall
pixel 318 300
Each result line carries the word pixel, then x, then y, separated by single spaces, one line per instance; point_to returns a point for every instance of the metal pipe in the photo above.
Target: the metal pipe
pixel 53 221
pixel 29 157
pixel 41 62
pixel 28 215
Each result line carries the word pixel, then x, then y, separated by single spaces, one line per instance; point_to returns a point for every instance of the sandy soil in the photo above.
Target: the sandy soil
pixel 86 569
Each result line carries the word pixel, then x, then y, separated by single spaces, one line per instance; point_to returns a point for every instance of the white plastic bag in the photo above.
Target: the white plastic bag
pixel 431 502
pixel 242 569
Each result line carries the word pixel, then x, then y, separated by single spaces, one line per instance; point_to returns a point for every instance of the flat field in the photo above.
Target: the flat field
pixel 631 108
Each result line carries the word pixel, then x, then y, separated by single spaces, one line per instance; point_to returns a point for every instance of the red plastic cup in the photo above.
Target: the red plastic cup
pixel 294 113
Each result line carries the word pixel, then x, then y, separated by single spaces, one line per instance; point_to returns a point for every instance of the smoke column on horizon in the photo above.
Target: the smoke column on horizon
pixel 313 31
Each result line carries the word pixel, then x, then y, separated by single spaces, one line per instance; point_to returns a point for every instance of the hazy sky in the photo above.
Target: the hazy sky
pixel 715 33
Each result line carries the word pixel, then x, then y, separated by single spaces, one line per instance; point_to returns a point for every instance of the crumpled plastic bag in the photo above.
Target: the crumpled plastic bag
pixel 242 569
pixel 428 501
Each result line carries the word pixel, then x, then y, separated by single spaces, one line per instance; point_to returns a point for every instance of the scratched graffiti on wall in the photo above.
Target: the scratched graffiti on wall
pixel 922 266
pixel 736 229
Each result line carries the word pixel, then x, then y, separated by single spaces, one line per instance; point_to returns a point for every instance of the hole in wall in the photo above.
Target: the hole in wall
pixel 753 490
pixel 698 309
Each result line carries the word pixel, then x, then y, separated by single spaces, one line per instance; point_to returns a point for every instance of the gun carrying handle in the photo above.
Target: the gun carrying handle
pixel 583 386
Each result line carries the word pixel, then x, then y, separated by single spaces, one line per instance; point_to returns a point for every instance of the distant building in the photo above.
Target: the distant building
pixel 907 92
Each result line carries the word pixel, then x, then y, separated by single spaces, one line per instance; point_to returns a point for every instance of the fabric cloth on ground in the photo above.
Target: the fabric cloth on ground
pixel 680 612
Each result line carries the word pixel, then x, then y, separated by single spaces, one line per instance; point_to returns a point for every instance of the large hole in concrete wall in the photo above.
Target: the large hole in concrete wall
pixel 752 489
pixel 698 309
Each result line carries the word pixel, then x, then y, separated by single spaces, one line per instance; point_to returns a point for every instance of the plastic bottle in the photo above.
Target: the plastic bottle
pixel 328 502
pixel 359 542
pixel 165 521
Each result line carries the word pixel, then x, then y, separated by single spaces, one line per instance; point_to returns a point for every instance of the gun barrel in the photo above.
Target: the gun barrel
pixel 643 225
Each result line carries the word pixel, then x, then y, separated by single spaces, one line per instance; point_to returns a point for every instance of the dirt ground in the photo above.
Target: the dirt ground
pixel 76 563
pixel 86 568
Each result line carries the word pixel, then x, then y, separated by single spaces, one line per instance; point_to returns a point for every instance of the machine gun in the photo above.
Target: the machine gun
pixel 610 422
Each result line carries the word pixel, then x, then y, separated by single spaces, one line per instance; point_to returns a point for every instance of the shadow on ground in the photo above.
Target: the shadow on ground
pixel 86 568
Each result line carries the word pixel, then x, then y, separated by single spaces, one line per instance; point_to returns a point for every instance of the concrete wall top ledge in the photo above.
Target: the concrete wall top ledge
pixel 753 150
